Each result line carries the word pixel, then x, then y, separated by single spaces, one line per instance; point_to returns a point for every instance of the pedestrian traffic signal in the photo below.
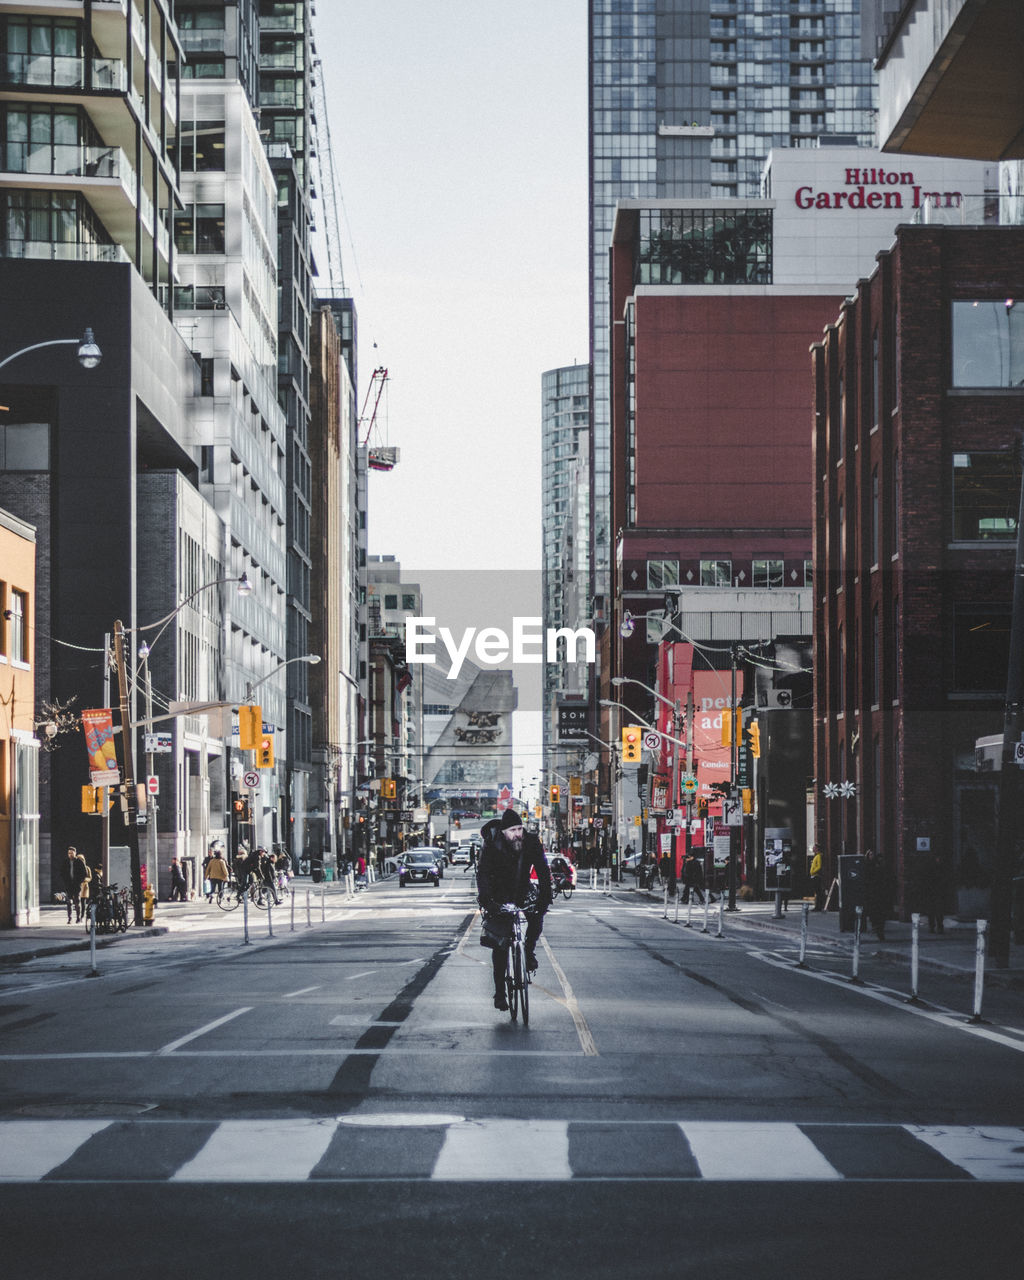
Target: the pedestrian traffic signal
pixel 631 745
pixel 754 730
pixel 250 728
pixel 265 752
pixel 240 807
pixel 554 793
pixel 92 800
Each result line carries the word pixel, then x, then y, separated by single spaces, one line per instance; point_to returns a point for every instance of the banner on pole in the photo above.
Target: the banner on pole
pixel 98 726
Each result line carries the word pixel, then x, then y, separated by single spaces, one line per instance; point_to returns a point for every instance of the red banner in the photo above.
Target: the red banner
pixel 99 742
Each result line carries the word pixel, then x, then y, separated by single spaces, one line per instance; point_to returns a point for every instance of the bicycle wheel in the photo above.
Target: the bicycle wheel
pixel 260 896
pixel 120 916
pixel 523 983
pixel 510 981
pixel 567 891
pixel 230 898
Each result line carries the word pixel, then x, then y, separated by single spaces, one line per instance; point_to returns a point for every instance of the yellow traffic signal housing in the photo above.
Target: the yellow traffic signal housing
pixel 555 793
pixel 726 727
pixel 754 730
pixel 250 728
pixel 265 751
pixel 389 789
pixel 575 786
pixel 631 744
pixel 748 800
pixel 91 800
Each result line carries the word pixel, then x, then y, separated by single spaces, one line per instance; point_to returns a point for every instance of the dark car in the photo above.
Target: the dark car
pixel 420 864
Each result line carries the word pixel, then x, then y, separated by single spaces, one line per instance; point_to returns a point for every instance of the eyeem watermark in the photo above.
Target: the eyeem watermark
pixel 492 646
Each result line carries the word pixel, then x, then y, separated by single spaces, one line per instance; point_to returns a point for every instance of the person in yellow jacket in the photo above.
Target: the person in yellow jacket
pixel 217 875
pixel 815 872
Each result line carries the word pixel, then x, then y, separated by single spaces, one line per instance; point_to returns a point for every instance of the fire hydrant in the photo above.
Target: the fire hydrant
pixel 148 903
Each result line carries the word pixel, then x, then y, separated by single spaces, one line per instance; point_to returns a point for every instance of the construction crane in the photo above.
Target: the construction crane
pixel 380 457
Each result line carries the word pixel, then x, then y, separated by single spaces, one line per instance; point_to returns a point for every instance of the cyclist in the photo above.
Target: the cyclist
pixel 267 872
pixel 508 856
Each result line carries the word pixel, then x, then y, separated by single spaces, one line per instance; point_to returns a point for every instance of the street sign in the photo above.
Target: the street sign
pixel 652 740
pixel 251 778
pixel 158 743
pixel 153 785
pixel 1018 753
pixel 689 784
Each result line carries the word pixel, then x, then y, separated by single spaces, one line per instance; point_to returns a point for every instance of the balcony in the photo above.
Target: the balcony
pixel 46 72
pixel 203 41
pixel 56 252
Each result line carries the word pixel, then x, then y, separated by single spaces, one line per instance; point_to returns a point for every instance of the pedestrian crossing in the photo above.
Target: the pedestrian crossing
pixel 451 1149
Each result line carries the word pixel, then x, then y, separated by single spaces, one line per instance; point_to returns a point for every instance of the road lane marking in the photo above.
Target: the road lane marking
pixel 303 991
pixel 31 1148
pixel 764 1152
pixel 582 1030
pixel 194 1035
pixel 260 1151
pixel 990 1153
pixel 505 1150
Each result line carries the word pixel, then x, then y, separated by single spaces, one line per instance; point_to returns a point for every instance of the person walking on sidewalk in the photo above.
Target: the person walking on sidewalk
pixel 76 876
pixel 817 874
pixel 216 875
pixel 179 889
pixel 877 892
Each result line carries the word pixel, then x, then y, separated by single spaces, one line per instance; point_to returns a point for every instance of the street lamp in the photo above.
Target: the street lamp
pixel 89 354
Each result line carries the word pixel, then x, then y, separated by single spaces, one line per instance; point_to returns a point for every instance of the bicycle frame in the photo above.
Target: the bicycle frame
pixel 517 977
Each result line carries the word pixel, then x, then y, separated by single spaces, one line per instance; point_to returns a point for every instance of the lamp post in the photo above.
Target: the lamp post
pixel 89 354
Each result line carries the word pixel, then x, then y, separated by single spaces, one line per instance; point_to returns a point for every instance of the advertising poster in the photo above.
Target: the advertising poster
pixel 98 726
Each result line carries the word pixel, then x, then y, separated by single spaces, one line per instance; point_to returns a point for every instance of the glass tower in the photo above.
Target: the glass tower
pixel 687 97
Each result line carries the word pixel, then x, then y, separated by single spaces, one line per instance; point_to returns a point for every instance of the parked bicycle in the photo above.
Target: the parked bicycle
pixel 111 915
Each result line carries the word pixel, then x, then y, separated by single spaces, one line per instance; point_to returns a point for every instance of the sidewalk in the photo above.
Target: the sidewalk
pixel 953 951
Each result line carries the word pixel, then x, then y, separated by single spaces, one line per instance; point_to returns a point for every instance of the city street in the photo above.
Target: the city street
pixel 343 1098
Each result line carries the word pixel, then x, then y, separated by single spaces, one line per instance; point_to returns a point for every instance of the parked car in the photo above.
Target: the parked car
pixel 420 865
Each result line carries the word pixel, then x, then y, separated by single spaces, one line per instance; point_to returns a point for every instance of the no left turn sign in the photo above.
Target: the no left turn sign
pixel 251 779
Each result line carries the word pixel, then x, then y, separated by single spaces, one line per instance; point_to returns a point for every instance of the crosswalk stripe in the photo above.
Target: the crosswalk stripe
pixel 259 1151
pixel 31 1148
pixel 986 1152
pixel 768 1152
pixel 500 1150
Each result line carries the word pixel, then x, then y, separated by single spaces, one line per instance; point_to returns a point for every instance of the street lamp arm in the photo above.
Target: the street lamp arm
pixel 617 680
pixel 88 351
pixel 608 702
pixel 251 687
pixel 244 588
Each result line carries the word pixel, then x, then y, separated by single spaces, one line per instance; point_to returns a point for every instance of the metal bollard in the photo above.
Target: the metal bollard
pixel 245 915
pixel 721 916
pixel 323 907
pixel 292 930
pixel 915 954
pixel 854 978
pixel 707 908
pixel 804 909
pixel 979 971
pixel 676 919
pixel 93 971
pixel 777 913
pixel 270 923
pixel 309 921
pixel 689 909
pixel 664 914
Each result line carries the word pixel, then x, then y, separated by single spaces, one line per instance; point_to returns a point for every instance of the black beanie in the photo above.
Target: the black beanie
pixel 510 819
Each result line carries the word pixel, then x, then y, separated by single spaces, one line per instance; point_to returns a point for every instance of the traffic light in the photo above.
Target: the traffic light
pixel 265 752
pixel 388 788
pixel 250 728
pixel 748 800
pixel 754 729
pixel 240 806
pixel 631 752
pixel 575 786
pixel 554 793
pixel 92 800
pixel 726 727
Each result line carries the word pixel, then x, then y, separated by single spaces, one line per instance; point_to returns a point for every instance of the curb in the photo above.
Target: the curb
pixel 68 948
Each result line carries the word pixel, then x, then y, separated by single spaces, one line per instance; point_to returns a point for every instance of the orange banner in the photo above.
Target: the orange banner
pixel 98 725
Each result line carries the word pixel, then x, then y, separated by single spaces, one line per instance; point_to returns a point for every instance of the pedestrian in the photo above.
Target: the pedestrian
pixel 935 891
pixel 179 887
pixel 73 876
pixel 693 877
pixel 817 874
pixel 877 892
pixel 266 869
pixel 216 875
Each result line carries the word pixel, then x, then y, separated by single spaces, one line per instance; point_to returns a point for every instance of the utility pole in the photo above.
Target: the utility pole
pixel 130 803
pixel 737 730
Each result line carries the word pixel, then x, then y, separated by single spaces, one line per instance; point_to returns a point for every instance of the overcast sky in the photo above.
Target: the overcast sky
pixel 460 143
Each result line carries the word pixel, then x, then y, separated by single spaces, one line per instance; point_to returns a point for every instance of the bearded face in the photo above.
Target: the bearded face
pixel 514 836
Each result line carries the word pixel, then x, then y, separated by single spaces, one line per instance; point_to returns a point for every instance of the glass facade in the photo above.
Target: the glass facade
pixel 687 97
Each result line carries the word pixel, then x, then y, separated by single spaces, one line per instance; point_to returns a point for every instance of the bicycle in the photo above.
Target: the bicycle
pixel 561 885
pixel 517 976
pixel 650 876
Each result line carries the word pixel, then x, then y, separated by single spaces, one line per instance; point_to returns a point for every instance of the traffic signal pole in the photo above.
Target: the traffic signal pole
pixel 129 771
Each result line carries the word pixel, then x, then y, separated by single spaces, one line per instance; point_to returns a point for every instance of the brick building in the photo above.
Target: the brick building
pixel 919 390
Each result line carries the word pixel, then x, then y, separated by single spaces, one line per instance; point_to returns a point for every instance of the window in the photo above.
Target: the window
pixel 986 497
pixel 199 228
pixel 876 658
pixel 767 573
pixel 25 446
pixel 875 385
pixel 409 603
pixel 988 343
pixel 981 647
pixel 874 516
pixel 18 626
pixel 208 17
pixel 207 68
pixel 391 602
pixel 662 573
pixel 808 573
pixel 716 573
pixel 202 145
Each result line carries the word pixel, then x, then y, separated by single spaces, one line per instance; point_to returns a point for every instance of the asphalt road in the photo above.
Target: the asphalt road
pixel 344 1099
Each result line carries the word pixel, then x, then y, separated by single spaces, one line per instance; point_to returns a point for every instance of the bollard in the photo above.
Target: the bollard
pixel 293 913
pixel 915 954
pixel 93 971
pixel 309 921
pixel 664 914
pixel 676 920
pixel 721 916
pixel 707 908
pixel 323 906
pixel 777 913
pixel 979 971
pixel 245 915
pixel 854 978
pixel 270 922
pixel 689 909
pixel 804 909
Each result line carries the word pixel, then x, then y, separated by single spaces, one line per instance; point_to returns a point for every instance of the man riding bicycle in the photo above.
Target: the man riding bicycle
pixel 503 878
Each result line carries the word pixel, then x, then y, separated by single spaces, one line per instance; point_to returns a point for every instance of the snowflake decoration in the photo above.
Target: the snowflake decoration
pixel 831 790
pixel 848 789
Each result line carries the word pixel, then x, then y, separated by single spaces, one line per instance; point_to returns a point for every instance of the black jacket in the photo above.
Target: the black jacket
pixel 496 875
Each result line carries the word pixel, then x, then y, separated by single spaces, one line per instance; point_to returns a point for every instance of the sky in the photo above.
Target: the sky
pixel 459 132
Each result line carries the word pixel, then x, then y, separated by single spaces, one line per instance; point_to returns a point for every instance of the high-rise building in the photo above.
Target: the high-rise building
pixel 687 97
